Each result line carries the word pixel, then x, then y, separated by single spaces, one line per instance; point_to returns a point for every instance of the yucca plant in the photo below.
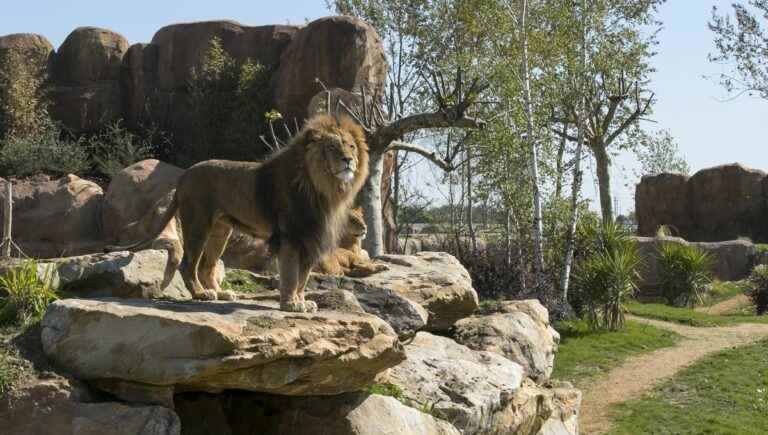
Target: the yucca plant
pixel 759 292
pixel 685 273
pixel 27 294
pixel 608 277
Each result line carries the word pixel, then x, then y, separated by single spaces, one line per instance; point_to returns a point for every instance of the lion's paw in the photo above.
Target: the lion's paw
pixel 226 295
pixel 206 295
pixel 299 307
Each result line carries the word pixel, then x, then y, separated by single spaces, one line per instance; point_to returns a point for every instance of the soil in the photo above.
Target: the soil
pixel 640 374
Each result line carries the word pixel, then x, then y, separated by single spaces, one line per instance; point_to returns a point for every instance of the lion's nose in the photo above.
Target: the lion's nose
pixel 346 160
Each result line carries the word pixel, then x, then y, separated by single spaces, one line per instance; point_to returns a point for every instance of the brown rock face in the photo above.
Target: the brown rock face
pixel 86 73
pixel 343 52
pixel 721 203
pixel 51 217
pixel 662 200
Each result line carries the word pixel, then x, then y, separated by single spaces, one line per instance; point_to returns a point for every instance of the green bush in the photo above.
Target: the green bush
pixel 24 99
pixel 607 277
pixel 759 292
pixel 27 294
pixel 229 100
pixel 45 151
pixel 115 148
pixel 685 272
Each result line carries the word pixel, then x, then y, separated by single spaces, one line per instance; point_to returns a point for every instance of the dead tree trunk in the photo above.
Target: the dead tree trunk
pixel 8 220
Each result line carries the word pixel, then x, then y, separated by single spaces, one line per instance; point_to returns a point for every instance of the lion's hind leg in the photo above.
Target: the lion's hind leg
pixel 214 248
pixel 196 225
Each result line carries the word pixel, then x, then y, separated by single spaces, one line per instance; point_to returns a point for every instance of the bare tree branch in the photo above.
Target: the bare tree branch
pixel 430 155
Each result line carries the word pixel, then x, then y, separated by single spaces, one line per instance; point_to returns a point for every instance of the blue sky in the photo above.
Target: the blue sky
pixel 710 131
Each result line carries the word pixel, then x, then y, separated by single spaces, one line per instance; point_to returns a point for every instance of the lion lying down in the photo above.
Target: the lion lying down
pixel 299 200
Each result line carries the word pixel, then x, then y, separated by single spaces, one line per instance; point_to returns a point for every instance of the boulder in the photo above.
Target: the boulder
pixel 34 47
pixel 347 414
pixel 342 51
pixel 213 346
pixel 132 194
pixel 89 55
pixel 726 203
pixel 52 217
pixel 435 280
pixel 62 406
pixel 732 260
pixel 87 68
pixel 520 332
pixel 662 200
pixel 141 274
pixel 474 390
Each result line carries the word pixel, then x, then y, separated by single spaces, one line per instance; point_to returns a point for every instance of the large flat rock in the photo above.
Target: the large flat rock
pixel 213 346
pixel 435 280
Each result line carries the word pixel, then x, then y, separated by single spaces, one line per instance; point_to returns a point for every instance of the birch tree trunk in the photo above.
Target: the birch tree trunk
pixel 565 275
pixel 538 248
pixel 370 198
pixel 470 204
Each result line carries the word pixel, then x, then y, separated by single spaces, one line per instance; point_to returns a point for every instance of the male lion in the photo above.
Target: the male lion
pixel 299 200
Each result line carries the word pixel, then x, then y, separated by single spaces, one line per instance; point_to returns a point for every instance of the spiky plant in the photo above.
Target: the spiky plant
pixel 685 273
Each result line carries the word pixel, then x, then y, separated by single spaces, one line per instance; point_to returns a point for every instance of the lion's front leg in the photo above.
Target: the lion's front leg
pixel 293 278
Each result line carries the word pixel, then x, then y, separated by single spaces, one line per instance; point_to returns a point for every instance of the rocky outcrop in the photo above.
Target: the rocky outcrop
pixel 519 331
pixel 715 204
pixel 34 47
pixel 343 52
pixel 732 260
pixel 52 217
pixel 193 346
pixel 348 414
pixel 87 94
pixel 471 389
pixel 62 406
pixel 435 280
pixel 482 392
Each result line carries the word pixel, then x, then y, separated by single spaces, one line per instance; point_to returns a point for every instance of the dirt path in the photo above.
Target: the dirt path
pixel 726 306
pixel 639 374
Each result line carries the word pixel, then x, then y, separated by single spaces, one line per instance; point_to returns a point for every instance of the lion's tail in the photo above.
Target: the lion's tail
pixel 170 212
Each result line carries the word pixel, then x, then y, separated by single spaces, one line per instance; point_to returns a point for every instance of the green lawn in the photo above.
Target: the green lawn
pixel 726 393
pixel 584 353
pixel 690 317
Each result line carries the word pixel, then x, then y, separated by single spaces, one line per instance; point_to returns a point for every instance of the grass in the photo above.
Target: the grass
pixel 584 353
pixel 25 294
pixel 691 317
pixel 724 290
pixel 725 393
pixel 241 281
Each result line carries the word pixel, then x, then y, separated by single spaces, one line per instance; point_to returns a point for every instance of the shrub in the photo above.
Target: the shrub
pixel 607 277
pixel 114 148
pixel 27 294
pixel 23 97
pixel 45 151
pixel 229 100
pixel 759 292
pixel 685 272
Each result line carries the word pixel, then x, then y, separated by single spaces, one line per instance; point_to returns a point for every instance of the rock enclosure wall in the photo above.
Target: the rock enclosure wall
pixel 715 204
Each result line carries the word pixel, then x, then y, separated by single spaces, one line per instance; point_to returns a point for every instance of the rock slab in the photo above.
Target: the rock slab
pixel 196 346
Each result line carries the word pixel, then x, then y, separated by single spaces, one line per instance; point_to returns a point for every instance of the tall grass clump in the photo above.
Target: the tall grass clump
pixel 607 277
pixel 25 294
pixel 759 292
pixel 685 272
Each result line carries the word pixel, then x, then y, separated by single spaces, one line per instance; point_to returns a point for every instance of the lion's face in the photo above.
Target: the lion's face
pixel 340 154
pixel 356 226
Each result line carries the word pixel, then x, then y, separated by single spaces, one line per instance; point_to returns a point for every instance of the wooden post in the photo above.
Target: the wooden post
pixel 7 219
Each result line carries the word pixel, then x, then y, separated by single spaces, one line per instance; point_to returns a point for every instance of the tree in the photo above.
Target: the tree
pixel 617 94
pixel 742 44
pixel 658 153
